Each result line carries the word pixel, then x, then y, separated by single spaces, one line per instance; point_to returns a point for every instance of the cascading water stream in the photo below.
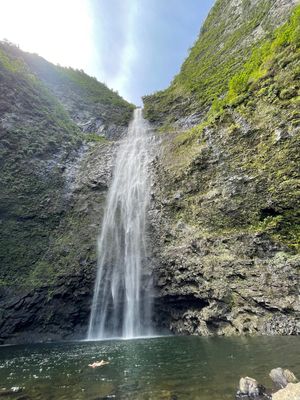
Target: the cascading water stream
pixel 122 300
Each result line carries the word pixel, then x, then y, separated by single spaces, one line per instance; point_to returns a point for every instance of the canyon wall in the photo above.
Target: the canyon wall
pixel 225 198
pixel 224 216
pixel 58 133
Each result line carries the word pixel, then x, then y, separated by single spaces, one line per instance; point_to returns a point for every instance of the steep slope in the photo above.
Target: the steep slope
pixel 55 167
pixel 90 104
pixel 227 38
pixel 225 210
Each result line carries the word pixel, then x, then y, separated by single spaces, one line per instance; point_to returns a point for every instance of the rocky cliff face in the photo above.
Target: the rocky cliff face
pixel 224 214
pixel 225 198
pixel 58 137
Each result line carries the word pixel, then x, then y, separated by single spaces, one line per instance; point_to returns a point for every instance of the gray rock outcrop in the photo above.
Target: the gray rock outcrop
pixel 282 377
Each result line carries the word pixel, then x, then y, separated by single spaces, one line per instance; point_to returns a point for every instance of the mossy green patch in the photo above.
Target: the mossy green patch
pixel 264 56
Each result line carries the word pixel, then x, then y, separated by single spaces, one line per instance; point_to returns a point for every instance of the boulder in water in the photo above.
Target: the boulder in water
pixel 249 388
pixel 282 377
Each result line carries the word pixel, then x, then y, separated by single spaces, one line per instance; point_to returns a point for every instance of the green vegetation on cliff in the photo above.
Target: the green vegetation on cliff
pixel 95 90
pixel 34 129
pixel 285 44
pixel 41 146
pixel 226 195
pixel 249 132
pixel 72 86
pixel 228 37
pixel 90 89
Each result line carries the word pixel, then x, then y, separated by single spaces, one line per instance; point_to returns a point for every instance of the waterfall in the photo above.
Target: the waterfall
pixel 122 299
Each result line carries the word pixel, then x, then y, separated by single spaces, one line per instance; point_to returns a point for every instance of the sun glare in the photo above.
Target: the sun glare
pixel 60 31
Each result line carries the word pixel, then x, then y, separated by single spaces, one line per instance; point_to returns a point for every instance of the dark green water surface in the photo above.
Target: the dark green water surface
pixel 182 368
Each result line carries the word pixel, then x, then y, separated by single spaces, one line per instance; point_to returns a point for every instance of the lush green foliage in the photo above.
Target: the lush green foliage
pixel 257 66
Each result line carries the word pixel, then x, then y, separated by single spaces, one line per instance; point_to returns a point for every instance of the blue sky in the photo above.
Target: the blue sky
pixel 144 42
pixel 134 46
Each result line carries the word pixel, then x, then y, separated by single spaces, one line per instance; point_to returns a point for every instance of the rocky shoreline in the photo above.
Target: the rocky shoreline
pixel 286 385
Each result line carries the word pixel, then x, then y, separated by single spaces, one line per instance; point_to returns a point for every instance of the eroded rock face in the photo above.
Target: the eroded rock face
pixel 216 272
pixel 55 302
pixel 53 184
pixel 225 202
pixel 90 117
pixel 47 313
pixel 243 284
pixel 91 105
pixel 223 216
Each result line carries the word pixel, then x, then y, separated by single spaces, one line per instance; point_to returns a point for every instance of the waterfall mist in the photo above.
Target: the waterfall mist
pixel 122 296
